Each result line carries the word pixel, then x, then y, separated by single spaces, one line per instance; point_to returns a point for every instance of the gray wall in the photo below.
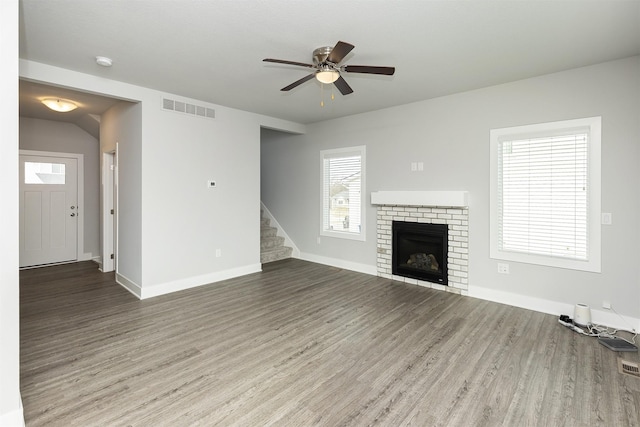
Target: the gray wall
pixel 171 227
pixel 122 124
pixel 451 136
pixel 60 137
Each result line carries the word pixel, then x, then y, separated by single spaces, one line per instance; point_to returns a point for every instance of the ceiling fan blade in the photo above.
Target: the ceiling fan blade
pixel 282 61
pixel 340 50
pixel 298 82
pixel 343 86
pixel 367 69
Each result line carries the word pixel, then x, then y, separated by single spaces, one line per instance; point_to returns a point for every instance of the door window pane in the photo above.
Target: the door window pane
pixel 44 173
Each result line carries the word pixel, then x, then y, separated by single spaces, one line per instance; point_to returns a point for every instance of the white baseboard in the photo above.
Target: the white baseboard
pixel 129 285
pixel 339 263
pixel 192 282
pixel 602 317
pixel 87 256
pixel 598 316
pixel 614 320
pixel 14 418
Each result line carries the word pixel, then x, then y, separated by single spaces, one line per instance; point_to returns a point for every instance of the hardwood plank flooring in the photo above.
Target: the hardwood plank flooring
pixel 302 344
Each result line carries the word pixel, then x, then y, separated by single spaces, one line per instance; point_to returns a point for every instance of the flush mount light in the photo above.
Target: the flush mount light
pixel 104 61
pixel 59 105
pixel 327 76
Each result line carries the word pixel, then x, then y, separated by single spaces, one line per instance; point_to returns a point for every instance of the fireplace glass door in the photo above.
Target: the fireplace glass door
pixel 420 251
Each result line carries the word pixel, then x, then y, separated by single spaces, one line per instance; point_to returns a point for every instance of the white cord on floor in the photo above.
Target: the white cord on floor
pixel 595 330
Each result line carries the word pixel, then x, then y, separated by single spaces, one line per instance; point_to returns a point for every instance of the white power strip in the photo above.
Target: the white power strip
pixel 575 328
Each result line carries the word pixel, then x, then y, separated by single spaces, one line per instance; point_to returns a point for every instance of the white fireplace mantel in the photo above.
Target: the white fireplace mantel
pixel 421 198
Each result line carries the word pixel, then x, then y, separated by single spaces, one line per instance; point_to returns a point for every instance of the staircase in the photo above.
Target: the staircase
pixel 272 246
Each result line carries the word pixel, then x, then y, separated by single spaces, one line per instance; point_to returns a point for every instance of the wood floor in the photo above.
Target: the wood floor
pixel 302 344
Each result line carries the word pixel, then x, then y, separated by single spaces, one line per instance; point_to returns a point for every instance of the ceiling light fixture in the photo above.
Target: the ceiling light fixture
pixel 59 105
pixel 104 61
pixel 327 76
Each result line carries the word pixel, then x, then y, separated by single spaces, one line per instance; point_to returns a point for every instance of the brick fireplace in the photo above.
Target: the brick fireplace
pixel 433 207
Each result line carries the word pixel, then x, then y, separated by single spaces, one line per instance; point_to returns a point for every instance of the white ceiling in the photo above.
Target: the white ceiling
pixel 213 50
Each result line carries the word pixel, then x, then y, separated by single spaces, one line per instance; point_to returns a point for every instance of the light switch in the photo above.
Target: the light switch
pixel 606 219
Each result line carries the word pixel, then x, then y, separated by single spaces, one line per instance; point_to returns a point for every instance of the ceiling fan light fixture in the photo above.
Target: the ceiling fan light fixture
pixel 59 105
pixel 327 76
pixel 326 63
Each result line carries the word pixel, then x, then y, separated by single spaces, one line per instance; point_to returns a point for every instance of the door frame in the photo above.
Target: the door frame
pixel 80 255
pixel 109 223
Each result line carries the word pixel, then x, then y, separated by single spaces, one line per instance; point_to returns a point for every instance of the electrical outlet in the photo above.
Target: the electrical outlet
pixel 211 184
pixel 318 240
pixel 606 305
pixel 503 268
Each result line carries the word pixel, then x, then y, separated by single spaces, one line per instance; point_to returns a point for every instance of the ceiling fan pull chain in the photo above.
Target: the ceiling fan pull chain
pixel 321 96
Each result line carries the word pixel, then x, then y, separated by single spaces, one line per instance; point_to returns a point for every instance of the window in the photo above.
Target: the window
pixel 545 194
pixel 343 192
pixel 44 173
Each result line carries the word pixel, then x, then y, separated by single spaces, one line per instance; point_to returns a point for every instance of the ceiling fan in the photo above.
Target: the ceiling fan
pixel 327 70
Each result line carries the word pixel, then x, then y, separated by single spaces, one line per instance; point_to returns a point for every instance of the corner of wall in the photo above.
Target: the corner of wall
pixel 129 285
pixel 14 418
pixel 193 282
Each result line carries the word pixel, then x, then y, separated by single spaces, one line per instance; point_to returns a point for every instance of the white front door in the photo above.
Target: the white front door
pixel 48 209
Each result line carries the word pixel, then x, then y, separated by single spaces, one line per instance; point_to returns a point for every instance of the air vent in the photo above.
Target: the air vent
pixel 167 104
pixel 629 368
pixel 187 108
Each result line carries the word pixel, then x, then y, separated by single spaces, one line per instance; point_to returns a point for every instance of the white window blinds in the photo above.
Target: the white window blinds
pixel 342 189
pixel 543 195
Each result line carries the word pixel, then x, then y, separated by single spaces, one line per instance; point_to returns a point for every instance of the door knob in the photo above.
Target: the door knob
pixel 73 214
pixel 73 207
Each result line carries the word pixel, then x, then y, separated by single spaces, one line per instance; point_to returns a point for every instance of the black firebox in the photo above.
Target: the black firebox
pixel 420 251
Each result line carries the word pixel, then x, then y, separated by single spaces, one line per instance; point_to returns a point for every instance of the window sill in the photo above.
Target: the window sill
pixel 343 235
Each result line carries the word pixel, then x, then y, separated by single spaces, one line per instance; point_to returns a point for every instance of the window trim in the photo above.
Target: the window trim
pixel 336 152
pixel 594 124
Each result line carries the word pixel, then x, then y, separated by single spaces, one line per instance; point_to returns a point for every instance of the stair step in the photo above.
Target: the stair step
pixel 271 245
pixel 275 254
pixel 271 242
pixel 268 232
